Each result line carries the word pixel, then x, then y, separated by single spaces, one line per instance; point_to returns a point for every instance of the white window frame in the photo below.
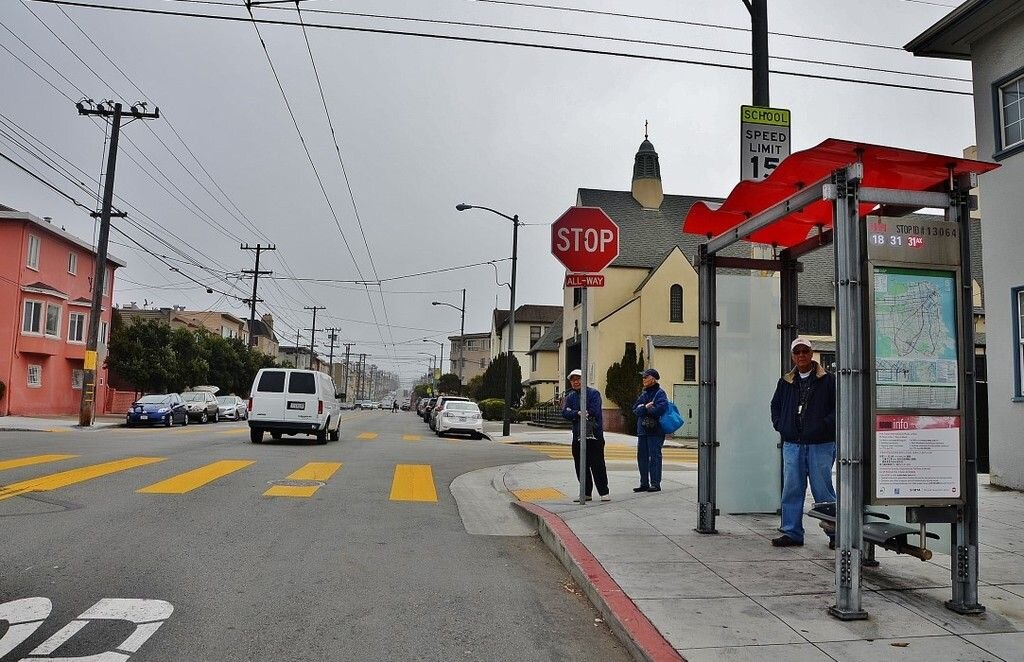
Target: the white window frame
pixel 34 248
pixel 77 379
pixel 73 263
pixel 40 321
pixel 82 329
pixel 102 340
pixel 46 320
pixel 1017 320
pixel 1017 83
pixel 34 370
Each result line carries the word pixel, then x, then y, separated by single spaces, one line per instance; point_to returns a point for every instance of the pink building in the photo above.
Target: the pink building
pixel 45 292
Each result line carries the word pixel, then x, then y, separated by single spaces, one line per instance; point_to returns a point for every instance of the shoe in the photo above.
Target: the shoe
pixel 653 489
pixel 577 499
pixel 786 541
pixel 642 488
pixel 605 497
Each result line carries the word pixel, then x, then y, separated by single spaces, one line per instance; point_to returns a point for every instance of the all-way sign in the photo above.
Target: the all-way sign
pixel 584 280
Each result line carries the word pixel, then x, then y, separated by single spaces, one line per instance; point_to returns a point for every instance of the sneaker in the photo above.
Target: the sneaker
pixel 642 488
pixel 653 489
pixel 786 541
pixel 605 497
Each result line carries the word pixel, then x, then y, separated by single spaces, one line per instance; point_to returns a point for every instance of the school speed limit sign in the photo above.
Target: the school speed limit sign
pixel 764 140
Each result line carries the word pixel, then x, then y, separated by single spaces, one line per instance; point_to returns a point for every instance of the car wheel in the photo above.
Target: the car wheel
pixel 170 420
pixel 216 417
pixel 276 436
pixel 184 419
pixel 128 423
pixel 255 436
pixel 204 417
pixel 336 434
pixel 438 432
pixel 321 436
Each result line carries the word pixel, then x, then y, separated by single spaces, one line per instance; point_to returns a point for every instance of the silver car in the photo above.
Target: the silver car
pixel 201 406
pixel 232 408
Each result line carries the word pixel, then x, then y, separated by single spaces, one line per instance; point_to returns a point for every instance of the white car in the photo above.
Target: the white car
pixel 285 401
pixel 459 416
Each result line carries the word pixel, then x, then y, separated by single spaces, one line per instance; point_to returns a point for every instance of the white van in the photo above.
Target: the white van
pixel 284 401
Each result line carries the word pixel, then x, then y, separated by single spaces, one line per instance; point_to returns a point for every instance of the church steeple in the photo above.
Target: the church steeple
pixel 646 189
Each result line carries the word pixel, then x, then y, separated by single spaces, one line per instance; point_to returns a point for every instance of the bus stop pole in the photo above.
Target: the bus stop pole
pixel 964 552
pixel 851 273
pixel 708 405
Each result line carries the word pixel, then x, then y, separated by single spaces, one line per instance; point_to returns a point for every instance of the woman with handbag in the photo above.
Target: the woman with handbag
pixel 596 471
pixel 649 408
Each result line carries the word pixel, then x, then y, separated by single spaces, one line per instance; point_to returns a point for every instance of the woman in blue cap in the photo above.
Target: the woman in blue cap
pixel 649 408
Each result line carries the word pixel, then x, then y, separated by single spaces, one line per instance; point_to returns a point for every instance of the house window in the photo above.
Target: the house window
pixel 675 303
pixel 689 368
pixel 52 320
pixel 1011 110
pixel 76 327
pixel 102 340
pixel 77 379
pixel 73 264
pixel 1017 305
pixel 32 320
pixel 35 376
pixel 33 252
pixel 533 362
pixel 577 296
pixel 534 334
pixel 815 320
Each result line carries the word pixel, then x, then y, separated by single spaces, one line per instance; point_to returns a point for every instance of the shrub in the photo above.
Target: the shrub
pixel 493 409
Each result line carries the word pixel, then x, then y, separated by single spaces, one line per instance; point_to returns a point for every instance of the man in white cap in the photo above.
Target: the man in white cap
pixel 596 470
pixel 804 414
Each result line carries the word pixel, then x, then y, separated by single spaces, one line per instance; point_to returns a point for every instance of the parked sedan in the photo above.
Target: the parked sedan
pixel 202 406
pixel 232 408
pixel 165 409
pixel 459 416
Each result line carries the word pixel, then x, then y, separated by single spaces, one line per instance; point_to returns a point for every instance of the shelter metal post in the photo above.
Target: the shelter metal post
pixel 708 407
pixel 788 318
pixel 851 402
pixel 964 539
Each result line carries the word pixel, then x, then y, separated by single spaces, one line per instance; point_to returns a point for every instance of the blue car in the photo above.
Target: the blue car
pixel 157 409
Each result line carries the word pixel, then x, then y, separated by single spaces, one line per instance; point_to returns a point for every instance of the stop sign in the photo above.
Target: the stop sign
pixel 584 239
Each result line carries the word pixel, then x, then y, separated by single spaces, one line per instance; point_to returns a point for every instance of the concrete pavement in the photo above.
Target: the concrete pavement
pixel 671 593
pixel 529 434
pixel 54 424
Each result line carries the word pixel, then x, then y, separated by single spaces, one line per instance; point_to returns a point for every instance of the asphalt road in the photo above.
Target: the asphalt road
pixel 180 555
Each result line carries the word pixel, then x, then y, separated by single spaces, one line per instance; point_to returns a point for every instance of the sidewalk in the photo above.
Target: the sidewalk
pixel 670 592
pixel 54 424
pixel 529 434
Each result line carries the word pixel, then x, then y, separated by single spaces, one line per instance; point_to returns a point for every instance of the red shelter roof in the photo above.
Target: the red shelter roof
pixel 884 167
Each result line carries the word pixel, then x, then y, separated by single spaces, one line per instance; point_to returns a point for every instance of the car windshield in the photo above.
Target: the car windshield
pixel 461 405
pixel 193 397
pixel 226 399
pixel 153 400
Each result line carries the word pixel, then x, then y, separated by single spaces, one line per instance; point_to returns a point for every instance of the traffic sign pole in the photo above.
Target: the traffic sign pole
pixel 582 473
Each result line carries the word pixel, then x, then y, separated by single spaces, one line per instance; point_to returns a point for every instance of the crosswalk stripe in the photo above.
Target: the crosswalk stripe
pixel 73 476
pixel 32 459
pixel 367 436
pixel 190 480
pixel 313 471
pixel 413 482
pixel 411 437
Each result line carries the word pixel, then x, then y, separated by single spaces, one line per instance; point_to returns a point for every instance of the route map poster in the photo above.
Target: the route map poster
pixel 916 363
pixel 917 457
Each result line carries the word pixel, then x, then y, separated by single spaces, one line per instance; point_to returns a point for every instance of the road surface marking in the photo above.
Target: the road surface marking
pixel 411 437
pixel 413 482
pixel 539 494
pixel 318 471
pixel 73 476
pixel 367 436
pixel 23 617
pixel 244 430
pixel 146 615
pixel 190 480
pixel 32 459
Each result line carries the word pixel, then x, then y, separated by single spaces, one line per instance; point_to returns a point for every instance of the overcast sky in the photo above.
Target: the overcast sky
pixel 422 125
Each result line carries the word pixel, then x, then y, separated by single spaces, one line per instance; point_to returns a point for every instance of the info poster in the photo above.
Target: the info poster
pixel 917 457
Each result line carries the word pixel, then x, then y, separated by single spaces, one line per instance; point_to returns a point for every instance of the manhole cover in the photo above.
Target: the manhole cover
pixel 297 483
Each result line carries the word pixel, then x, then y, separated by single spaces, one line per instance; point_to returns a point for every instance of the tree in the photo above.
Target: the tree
pixel 473 387
pixel 450 384
pixel 623 384
pixel 493 383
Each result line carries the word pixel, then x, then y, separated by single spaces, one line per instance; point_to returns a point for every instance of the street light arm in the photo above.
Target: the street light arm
pixel 463 207
pixel 443 303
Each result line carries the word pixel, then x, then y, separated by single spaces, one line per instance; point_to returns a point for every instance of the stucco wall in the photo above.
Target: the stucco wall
pixel 1002 212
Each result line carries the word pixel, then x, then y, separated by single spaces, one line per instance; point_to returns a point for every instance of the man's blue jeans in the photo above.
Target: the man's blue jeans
pixel 648 459
pixel 802 463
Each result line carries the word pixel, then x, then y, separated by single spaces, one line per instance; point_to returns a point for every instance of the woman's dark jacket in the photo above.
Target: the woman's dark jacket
pixel 817 423
pixel 595 415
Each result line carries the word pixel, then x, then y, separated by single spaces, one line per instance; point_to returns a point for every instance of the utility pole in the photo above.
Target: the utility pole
pixel 759 50
pixel 312 332
pixel 87 407
pixel 332 335
pixel 297 352
pixel 361 376
pixel 348 349
pixel 256 273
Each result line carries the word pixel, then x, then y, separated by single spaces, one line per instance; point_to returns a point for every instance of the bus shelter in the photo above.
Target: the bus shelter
pixel 905 409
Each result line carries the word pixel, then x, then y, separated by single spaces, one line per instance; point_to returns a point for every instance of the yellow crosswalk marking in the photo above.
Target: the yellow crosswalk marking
pixel 190 480
pixel 73 476
pixel 411 437
pixel 539 494
pixel 367 436
pixel 32 459
pixel 313 471
pixel 413 482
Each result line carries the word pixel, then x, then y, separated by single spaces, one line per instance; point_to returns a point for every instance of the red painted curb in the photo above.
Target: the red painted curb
pixel 637 626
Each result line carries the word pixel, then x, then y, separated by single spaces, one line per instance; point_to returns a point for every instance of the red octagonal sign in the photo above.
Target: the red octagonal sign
pixel 585 240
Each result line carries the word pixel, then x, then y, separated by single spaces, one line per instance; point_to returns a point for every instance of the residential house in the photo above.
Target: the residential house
pixel 299 357
pixel 476 356
pixel 532 320
pixel 990 33
pixel 263 330
pixel 46 288
pixel 545 374
pixel 218 323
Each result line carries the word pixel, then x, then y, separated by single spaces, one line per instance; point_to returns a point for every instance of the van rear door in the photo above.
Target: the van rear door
pixel 302 399
pixel 268 396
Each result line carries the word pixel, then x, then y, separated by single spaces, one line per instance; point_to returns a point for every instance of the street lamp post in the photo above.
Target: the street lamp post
pixel 511 311
pixel 462 331
pixel 433 381
pixel 440 361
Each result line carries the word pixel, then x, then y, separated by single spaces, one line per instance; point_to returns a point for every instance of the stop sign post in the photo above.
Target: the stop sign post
pixel 585 241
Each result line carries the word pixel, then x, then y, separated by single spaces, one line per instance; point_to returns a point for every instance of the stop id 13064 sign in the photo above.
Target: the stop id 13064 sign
pixel 585 240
